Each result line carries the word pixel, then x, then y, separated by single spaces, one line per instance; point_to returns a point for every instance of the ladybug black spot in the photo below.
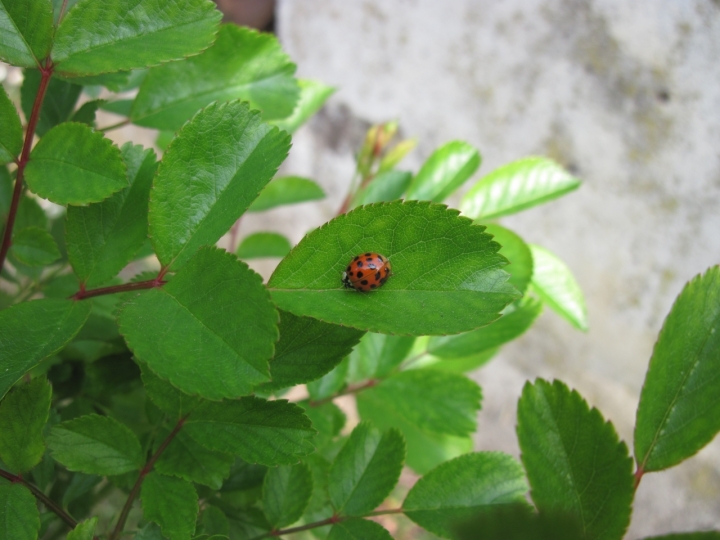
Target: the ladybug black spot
pixel 357 258
pixel 368 254
pixel 373 286
pixel 349 268
pixel 380 258
pixel 377 275
pixel 350 274
pixel 383 280
pixel 359 264
pixel 364 282
pixel 360 274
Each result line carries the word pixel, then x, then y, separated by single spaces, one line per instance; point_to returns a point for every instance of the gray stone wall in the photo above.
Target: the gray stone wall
pixel 626 94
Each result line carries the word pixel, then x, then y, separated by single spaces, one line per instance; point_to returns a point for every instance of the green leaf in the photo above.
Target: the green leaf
pixel 167 398
pixel 32 331
pixel 263 244
pixel 286 190
pixel 377 356
pixel 213 521
pixel 79 486
pixel 555 284
pixel 120 107
pixel 386 186
pixel 220 160
pixel 516 319
pixel 30 214
pixel 444 171
pixel 19 518
pixel 329 384
pixel 447 276
pixel 11 136
pixel 327 419
pixel 313 95
pixel 23 414
pixel 103 237
pixel 114 35
pixel 85 530
pixel 366 469
pixel 459 489
pixel 286 493
pixel 87 111
pixel 259 431
pixel 519 185
pixel 518 522
pixel 434 401
pixel 95 444
pixel 242 64
pixel 464 364
pixel 26 27
pixel 33 246
pixel 396 155
pixel 58 105
pixel 72 164
pixel 704 535
pixel 679 410
pixel 170 502
pixel 574 460
pixel 194 332
pixel 191 461
pixel 151 531
pixel 515 250
pixel 307 350
pixel 358 529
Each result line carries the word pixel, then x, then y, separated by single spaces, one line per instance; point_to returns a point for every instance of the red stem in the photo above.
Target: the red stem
pixel 39 495
pixel 46 73
pixel 638 476
pixel 329 521
pixel 82 294
pixel 145 471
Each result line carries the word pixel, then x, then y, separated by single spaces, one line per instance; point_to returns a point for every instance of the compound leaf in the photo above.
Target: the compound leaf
pixel 574 460
pixel 241 64
pixel 459 489
pixel 679 409
pixel 286 493
pixel 517 186
pixel 447 275
pixel 211 172
pixel 444 171
pixel 194 332
pixel 115 35
pixel 172 503
pixel 34 246
pixel 72 164
pixel 26 28
pixel 32 331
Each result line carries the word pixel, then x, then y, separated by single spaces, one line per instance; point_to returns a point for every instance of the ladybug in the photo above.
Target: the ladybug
pixel 367 272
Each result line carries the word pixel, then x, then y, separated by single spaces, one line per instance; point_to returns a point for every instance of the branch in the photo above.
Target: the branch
pixel 120 124
pixel 82 294
pixel 145 471
pixel 46 73
pixel 348 390
pixel 40 496
pixel 329 521
pixel 638 476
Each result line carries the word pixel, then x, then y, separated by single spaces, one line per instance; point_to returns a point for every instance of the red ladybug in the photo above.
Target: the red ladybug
pixel 367 272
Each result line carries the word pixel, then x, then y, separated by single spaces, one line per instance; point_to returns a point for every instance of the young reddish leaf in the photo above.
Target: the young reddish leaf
pixel 26 27
pixel 19 518
pixel 96 38
pixel 23 414
pixel 679 409
pixel 444 171
pixel 11 135
pixel 210 331
pixel 220 161
pixel 574 460
pixel 72 164
pixel 286 493
pixel 242 64
pixel 170 502
pixel 32 331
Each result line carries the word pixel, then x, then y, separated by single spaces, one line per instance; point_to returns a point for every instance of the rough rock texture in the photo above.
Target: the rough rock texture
pixel 625 94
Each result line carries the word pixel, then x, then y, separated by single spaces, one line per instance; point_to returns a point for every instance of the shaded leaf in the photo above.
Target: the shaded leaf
pixel 32 331
pixel 79 485
pixel 460 488
pixel 447 276
pixel 170 502
pixel 72 164
pixel 86 113
pixel 515 250
pixel 556 286
pixel 516 186
pixel 58 104
pixel 114 35
pixel 313 95
pixel 26 27
pixel 703 535
pixel 168 398
pixel 366 469
pixel 85 530
pixel 220 161
pixel 213 522
pixel 197 317
pixel 679 410
pixel 11 136
pixel 286 190
pixel 103 237
pixel 329 384
pixel 574 460
pixel 518 522
pixel 386 186
pixel 377 356
pixel 19 518
pixel 95 444
pixel 33 246
pixel 241 64
pixel 263 244
pixel 259 431
pixel 358 529
pixel 327 419
pixel 120 107
pixel 23 415
pixel 286 493
pixel 444 171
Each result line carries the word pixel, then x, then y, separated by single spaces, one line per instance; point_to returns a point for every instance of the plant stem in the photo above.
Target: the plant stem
pixel 115 126
pixel 638 476
pixel 82 294
pixel 39 495
pixel 348 390
pixel 46 73
pixel 143 473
